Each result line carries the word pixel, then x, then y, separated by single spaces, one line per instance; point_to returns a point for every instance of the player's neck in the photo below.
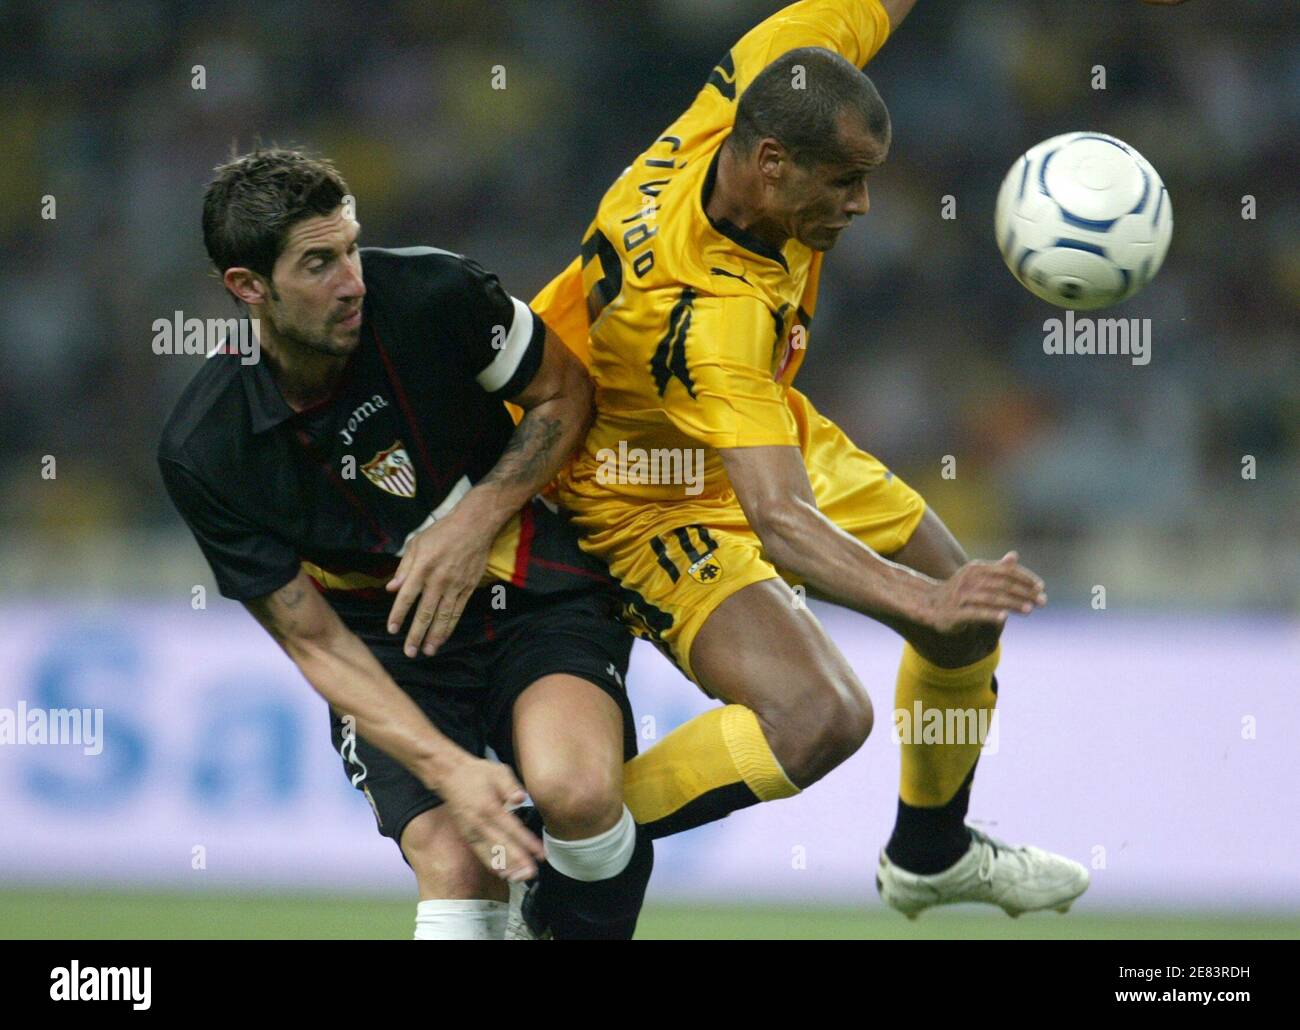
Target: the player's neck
pixel 304 376
pixel 737 197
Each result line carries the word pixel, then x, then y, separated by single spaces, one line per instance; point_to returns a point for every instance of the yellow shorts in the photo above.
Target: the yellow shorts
pixel 677 561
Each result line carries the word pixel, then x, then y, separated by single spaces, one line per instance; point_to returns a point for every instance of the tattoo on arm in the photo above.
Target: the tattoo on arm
pixel 530 454
pixel 275 611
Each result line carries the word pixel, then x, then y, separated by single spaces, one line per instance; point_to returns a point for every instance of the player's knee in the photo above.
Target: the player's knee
pixel 851 720
pixel 834 721
pixel 579 799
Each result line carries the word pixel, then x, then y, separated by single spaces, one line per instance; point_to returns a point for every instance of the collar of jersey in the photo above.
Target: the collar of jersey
pixel 266 403
pixel 730 229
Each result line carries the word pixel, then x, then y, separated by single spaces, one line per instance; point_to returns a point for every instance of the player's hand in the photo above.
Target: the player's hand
pixel 479 794
pixel 984 592
pixel 441 567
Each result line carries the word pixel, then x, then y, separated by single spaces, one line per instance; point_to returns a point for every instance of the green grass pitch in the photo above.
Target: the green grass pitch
pixel 44 913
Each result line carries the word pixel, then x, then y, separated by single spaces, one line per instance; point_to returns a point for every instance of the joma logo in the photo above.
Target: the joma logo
pixel 359 415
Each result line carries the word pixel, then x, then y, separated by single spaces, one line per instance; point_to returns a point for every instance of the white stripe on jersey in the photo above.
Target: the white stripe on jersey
pixel 452 499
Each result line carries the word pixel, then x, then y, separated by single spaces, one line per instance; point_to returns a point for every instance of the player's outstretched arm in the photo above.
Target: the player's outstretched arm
pixel 897 11
pixel 344 671
pixel 854 29
pixel 774 491
pixel 443 565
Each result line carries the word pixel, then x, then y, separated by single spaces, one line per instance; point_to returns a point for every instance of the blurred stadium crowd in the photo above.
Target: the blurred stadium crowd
pixel 924 345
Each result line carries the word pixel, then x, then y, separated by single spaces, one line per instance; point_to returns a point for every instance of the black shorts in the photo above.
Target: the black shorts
pixel 469 692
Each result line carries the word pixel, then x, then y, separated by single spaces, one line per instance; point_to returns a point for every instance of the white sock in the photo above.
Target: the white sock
pixel 447 920
pixel 497 920
pixel 596 858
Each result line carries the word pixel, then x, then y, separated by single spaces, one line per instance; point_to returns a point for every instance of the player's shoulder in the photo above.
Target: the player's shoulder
pixel 209 410
pixel 675 244
pixel 716 274
pixel 404 268
pixel 426 282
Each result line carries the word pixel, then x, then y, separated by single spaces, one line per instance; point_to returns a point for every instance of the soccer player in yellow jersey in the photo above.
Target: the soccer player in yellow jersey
pixel 692 302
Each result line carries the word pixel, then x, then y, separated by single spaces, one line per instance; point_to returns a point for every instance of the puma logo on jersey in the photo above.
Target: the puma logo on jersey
pixel 731 275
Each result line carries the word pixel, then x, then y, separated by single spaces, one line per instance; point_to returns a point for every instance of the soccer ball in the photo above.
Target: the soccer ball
pixel 1083 220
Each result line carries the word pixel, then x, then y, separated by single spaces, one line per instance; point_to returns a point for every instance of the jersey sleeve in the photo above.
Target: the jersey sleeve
pixel 714 372
pixel 499 336
pixel 854 29
pixel 248 562
pixel 562 305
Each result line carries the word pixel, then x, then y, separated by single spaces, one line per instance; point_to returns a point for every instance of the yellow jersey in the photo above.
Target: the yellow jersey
pixel 692 328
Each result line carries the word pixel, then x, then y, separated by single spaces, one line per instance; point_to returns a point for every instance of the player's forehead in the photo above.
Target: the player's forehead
pixel 860 151
pixel 337 229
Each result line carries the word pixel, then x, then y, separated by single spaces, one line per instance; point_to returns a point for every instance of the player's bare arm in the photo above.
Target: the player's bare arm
pixel 343 670
pixel 443 564
pixel 897 10
pixel 773 488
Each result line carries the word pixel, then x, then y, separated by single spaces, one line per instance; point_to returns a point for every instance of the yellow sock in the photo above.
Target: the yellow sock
pixel 708 768
pixel 941 717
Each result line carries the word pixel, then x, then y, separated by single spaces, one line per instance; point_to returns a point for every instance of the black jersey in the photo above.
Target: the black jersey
pixel 415 420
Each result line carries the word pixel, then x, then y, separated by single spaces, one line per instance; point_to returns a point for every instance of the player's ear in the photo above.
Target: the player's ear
pixel 245 285
pixel 772 158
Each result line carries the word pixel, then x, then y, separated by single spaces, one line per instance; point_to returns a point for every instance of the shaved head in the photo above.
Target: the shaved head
pixel 803 99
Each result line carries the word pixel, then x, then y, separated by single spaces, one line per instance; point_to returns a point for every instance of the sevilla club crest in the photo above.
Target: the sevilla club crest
pixel 391 470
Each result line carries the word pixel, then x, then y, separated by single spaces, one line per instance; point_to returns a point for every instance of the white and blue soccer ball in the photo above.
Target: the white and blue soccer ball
pixel 1083 220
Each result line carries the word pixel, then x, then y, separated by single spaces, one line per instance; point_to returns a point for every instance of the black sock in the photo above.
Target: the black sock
pixel 929 840
pixel 597 910
pixel 708 807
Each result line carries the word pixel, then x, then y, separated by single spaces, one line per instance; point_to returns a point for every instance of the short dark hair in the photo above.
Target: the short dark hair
pixel 806 120
pixel 256 198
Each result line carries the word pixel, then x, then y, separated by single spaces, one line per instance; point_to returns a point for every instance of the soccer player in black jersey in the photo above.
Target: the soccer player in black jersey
pixel 363 490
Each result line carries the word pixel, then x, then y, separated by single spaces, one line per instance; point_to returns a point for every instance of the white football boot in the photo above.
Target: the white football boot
pixel 1023 879
pixel 516 926
pixel 523 919
pixel 522 907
